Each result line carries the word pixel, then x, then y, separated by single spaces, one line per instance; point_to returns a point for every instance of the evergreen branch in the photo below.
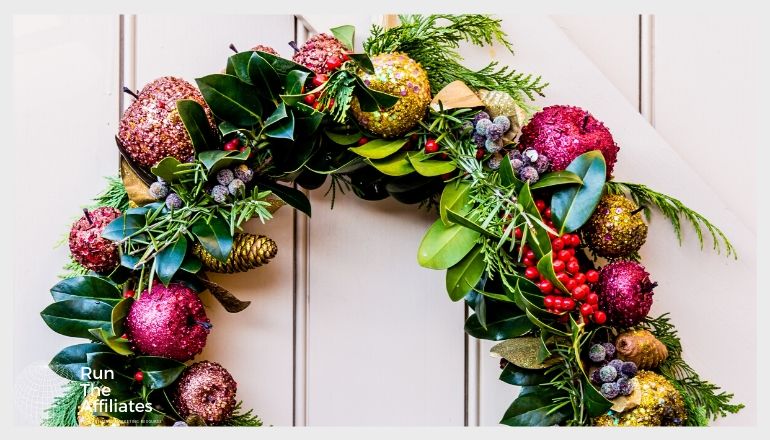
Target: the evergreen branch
pixel 435 46
pixel 63 412
pixel 337 95
pixel 114 195
pixel 674 210
pixel 240 418
pixel 73 269
pixel 703 400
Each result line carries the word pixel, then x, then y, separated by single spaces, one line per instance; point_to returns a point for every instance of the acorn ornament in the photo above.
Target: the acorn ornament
pixel 661 404
pixel 396 74
pixel 616 228
pixel 88 247
pixel 91 405
pixel 625 292
pixel 249 251
pixel 642 348
pixel 206 390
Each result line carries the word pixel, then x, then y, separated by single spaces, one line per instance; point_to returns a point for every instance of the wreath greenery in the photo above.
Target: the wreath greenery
pixel 517 228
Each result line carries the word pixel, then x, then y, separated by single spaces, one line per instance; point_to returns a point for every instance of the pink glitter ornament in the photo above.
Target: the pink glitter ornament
pixel 268 49
pixel 151 129
pixel 206 389
pixel 625 292
pixel 169 322
pixel 563 133
pixel 87 246
pixel 317 50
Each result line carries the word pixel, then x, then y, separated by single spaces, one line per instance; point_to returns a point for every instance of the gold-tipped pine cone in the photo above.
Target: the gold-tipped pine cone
pixel 249 251
pixel 642 348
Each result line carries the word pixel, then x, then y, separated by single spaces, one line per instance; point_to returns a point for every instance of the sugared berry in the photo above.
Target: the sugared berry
pixel 597 353
pixel 615 363
pixel 610 348
pixel 595 379
pixel 628 369
pixel 608 373
pixel 625 386
pixel 610 390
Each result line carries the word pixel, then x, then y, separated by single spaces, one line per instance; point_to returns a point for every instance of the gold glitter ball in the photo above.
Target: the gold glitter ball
pixel 396 74
pixel 90 404
pixel 661 405
pixel 616 228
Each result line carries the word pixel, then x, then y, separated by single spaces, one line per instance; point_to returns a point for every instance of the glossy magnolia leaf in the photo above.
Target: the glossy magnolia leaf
pixel 168 260
pixel 291 196
pixel 537 237
pixel 74 317
pixel 463 276
pixel 498 326
pixel 372 100
pixel 238 65
pixel 543 326
pixel 537 407
pixel 215 160
pixel 379 148
pixel 572 206
pixel 197 124
pixel 167 168
pixel 214 236
pixel 191 264
pixel 455 197
pixel 263 76
pixel 295 81
pixel 395 165
pixel 231 99
pixel 463 220
pixel 343 139
pixel 71 362
pixel 507 175
pixel 119 314
pixel 123 227
pixel 278 115
pixel 116 344
pixel 595 403
pixel 522 352
pixel 88 286
pixel 363 61
pixel 345 34
pixel 518 376
pixel 529 303
pixel 429 167
pixel 283 128
pixel 114 372
pixel 557 178
pixel 159 372
pixel 412 188
pixel 281 65
pixel 444 246
pixel 306 126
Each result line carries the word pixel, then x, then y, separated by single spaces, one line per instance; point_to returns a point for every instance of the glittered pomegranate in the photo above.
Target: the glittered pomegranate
pixel 396 74
pixel 267 49
pixel 625 292
pixel 320 53
pixel 169 322
pixel 151 128
pixel 87 246
pixel 564 132
pixel 205 389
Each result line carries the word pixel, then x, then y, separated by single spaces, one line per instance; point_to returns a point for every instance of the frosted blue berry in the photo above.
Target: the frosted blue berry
pixel 236 187
pixel 628 369
pixel 480 116
pixel 625 386
pixel 479 139
pixel 493 146
pixel 244 173
pixel 173 201
pixel 610 390
pixel 609 348
pixel 495 161
pixel 482 125
pixel 616 364
pixel 495 132
pixel 529 174
pixel 597 353
pixel 608 373
pixel 219 193
pixel 531 154
pixel 225 176
pixel 158 190
pixel 503 122
pixel 541 165
pixel 595 379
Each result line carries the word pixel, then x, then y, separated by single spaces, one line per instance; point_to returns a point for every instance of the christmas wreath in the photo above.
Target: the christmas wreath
pixel 534 233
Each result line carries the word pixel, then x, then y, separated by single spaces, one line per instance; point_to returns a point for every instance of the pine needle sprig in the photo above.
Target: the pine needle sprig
pixel 240 418
pixel 114 195
pixel 674 210
pixel 434 45
pixel 63 412
pixel 703 399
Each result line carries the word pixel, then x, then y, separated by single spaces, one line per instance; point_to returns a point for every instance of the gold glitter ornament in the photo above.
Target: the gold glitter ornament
pixel 86 416
pixel 616 228
pixel 642 348
pixel 396 74
pixel 660 405
pixel 249 251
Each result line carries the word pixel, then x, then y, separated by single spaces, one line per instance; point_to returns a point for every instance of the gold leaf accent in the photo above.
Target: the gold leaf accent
pixel 522 352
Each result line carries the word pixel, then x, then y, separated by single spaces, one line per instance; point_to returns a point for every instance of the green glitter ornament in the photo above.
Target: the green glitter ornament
pixel 616 228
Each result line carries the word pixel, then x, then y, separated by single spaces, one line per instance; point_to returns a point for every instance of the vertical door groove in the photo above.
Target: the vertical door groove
pixel 647 67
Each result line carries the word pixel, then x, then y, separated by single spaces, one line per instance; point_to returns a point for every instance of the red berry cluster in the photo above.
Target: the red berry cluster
pixel 234 144
pixel 579 284
pixel 313 98
pixel 334 62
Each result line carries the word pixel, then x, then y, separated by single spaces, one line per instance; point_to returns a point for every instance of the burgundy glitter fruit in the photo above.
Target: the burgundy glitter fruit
pixel 151 129
pixel 87 245
pixel 564 132
pixel 206 389
pixel 315 53
pixel 268 49
pixel 625 292
pixel 169 322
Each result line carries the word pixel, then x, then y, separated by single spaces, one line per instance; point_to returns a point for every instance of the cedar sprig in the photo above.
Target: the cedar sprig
pixel 338 91
pixel 703 399
pixel 63 412
pixel 114 195
pixel 240 418
pixel 433 40
pixel 674 210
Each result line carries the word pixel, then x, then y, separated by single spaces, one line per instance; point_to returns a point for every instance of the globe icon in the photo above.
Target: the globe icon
pixel 34 390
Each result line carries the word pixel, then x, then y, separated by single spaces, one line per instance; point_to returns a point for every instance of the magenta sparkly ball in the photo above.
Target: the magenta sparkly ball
pixel 317 50
pixel 87 246
pixel 563 133
pixel 205 389
pixel 169 322
pixel 151 128
pixel 625 292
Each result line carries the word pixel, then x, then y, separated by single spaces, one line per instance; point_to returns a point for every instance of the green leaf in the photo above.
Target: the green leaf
pixel 595 403
pixel 379 148
pixel 430 168
pixel 463 276
pixel 543 326
pixel 114 372
pixel 518 376
pixel 545 268
pixel 74 317
pixel 123 226
pixel 238 65
pixel 263 76
pixel 191 264
pixel 231 99
pixel 507 175
pixel 372 100
pixel 557 178
pixel 215 160
pixel 118 316
pixel 537 238
pixel 197 124
pixel 281 65
pixel 168 261
pixel 167 168
pixel 306 126
pixel 535 407
pixel 282 128
pixel 498 328
pixel 343 139
pixel 291 196
pixel 87 286
pixel 159 372
pixel 395 165
pixel 463 220
pixel 345 34
pixel 117 344
pixel 455 197
pixel 444 246
pixel 295 81
pixel 363 61
pixel 214 236
pixel 70 363
pixel 572 206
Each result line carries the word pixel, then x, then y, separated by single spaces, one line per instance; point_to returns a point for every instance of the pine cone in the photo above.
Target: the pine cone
pixel 642 348
pixel 249 251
